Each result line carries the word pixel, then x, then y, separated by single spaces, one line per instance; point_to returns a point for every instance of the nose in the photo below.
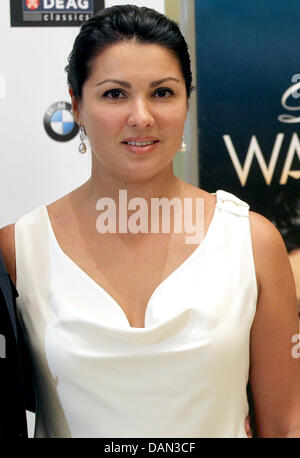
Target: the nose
pixel 140 115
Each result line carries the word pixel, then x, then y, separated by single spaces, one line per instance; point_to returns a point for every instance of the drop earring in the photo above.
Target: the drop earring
pixel 82 135
pixel 183 146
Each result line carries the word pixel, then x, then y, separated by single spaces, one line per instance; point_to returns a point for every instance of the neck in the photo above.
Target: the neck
pixel 103 184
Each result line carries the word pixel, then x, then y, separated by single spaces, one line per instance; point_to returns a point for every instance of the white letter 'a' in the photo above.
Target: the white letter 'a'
pixel 254 150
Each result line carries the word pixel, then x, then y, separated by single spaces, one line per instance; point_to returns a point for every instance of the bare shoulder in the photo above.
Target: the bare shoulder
pixel 262 230
pixel 267 241
pixel 7 248
pixel 270 255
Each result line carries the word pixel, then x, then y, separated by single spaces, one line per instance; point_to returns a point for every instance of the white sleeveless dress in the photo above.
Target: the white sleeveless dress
pixel 183 375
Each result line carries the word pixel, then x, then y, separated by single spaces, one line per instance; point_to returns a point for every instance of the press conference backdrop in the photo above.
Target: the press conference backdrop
pixel 39 140
pixel 248 77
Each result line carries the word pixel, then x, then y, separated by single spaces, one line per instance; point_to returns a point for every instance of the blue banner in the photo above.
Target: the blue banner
pixel 248 91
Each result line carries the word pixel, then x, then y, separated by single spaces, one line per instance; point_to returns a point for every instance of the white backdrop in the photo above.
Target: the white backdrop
pixel 34 168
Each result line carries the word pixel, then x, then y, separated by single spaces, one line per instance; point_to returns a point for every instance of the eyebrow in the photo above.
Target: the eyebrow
pixel 128 85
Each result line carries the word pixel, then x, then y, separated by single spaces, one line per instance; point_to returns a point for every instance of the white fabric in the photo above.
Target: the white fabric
pixel 183 375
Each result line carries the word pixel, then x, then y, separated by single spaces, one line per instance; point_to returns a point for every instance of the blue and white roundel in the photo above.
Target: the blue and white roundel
pixel 59 122
pixel 62 122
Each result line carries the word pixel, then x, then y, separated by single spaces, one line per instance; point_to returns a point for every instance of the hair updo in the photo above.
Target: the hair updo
pixel 123 23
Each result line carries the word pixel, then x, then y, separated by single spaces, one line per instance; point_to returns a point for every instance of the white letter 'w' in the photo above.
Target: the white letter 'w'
pixel 254 150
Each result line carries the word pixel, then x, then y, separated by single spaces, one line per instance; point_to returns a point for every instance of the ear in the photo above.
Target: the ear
pixel 75 106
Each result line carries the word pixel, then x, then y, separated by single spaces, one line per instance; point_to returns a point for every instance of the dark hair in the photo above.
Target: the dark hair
pixel 286 217
pixel 122 23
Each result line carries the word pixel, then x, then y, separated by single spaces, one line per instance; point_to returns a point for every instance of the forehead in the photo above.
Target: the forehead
pixel 136 59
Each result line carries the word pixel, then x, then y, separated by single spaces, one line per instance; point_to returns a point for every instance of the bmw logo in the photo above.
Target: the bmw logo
pixel 59 122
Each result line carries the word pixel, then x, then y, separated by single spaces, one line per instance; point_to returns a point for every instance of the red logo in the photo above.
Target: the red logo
pixel 32 4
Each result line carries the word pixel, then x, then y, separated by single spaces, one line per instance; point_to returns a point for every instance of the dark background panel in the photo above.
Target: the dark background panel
pixel 247 54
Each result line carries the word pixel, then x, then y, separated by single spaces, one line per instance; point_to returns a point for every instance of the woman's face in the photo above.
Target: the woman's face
pixel 135 93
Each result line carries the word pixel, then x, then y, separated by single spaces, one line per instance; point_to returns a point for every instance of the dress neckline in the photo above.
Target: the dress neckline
pixel 98 287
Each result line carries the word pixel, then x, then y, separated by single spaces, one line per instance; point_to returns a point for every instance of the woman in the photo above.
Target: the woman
pixel 143 334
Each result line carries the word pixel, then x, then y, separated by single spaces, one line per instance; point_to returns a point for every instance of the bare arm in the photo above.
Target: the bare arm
pixel 274 372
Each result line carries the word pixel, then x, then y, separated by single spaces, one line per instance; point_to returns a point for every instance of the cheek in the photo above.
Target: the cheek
pixel 102 123
pixel 175 125
pixel 177 116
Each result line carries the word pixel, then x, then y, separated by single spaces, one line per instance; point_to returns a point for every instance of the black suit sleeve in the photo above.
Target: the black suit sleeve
pixel 25 362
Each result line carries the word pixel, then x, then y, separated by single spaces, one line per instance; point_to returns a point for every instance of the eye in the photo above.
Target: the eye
pixel 114 94
pixel 163 93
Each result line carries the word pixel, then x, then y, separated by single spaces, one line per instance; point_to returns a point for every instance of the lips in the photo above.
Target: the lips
pixel 140 145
